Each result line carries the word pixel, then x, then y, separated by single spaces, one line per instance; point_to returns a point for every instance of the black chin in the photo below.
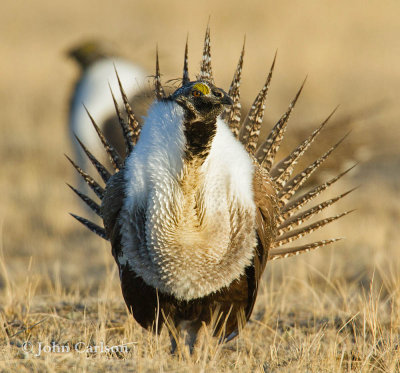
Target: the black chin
pixel 208 110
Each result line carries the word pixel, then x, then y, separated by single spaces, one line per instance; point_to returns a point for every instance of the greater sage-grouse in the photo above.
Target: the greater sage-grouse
pixel 98 61
pixel 196 209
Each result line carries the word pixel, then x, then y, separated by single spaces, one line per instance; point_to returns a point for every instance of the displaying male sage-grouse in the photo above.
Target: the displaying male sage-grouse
pixel 197 209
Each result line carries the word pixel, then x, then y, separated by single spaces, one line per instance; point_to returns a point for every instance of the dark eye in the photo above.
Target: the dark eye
pixel 217 94
pixel 196 93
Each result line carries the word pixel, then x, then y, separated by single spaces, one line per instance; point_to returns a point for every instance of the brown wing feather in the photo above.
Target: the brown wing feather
pixel 266 216
pixel 266 200
pixel 112 202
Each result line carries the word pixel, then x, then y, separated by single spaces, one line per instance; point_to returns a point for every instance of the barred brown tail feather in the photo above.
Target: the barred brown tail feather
pixel 206 73
pixel 232 113
pixel 300 218
pixel 267 151
pixel 295 234
pixel 159 90
pixel 293 251
pixel 292 206
pixel 91 226
pixel 250 129
pixel 95 207
pixel 113 155
pixel 103 172
pixel 185 76
pixel 282 171
pixel 297 181
pixel 97 189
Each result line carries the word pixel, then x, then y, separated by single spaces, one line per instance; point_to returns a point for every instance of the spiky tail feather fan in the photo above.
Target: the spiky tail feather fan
pixel 247 131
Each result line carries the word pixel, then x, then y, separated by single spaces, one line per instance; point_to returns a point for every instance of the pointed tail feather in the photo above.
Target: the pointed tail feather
pixel 115 158
pixel 91 226
pixel 126 130
pixel 131 131
pixel 251 127
pixel 291 207
pixel 300 218
pixel 296 234
pixel 294 184
pixel 185 77
pixel 232 113
pixel 265 154
pixel 97 189
pixel 206 73
pixel 282 172
pixel 95 207
pixel 160 94
pixel 103 172
pixel 292 251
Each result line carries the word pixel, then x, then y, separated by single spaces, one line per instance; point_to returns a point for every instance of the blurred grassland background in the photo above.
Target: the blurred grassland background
pixel 331 310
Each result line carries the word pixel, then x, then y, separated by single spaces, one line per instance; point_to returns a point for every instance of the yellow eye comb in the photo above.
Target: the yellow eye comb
pixel 202 88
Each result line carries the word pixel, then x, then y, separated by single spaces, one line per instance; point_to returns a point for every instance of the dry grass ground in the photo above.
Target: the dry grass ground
pixel 333 310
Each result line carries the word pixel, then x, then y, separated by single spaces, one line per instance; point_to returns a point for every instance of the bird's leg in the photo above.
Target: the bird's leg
pixel 186 332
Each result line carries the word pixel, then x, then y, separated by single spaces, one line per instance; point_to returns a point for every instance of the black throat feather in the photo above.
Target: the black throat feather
pixel 199 136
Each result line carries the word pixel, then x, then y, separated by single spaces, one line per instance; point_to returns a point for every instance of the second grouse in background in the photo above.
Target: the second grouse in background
pixel 98 61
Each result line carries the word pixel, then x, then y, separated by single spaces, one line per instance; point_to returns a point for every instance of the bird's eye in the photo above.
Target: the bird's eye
pixel 196 93
pixel 217 93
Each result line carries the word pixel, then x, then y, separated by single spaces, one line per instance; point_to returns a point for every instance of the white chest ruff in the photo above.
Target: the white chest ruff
pixel 165 239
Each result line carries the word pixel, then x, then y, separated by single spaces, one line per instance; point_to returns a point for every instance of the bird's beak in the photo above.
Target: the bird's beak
pixel 226 100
